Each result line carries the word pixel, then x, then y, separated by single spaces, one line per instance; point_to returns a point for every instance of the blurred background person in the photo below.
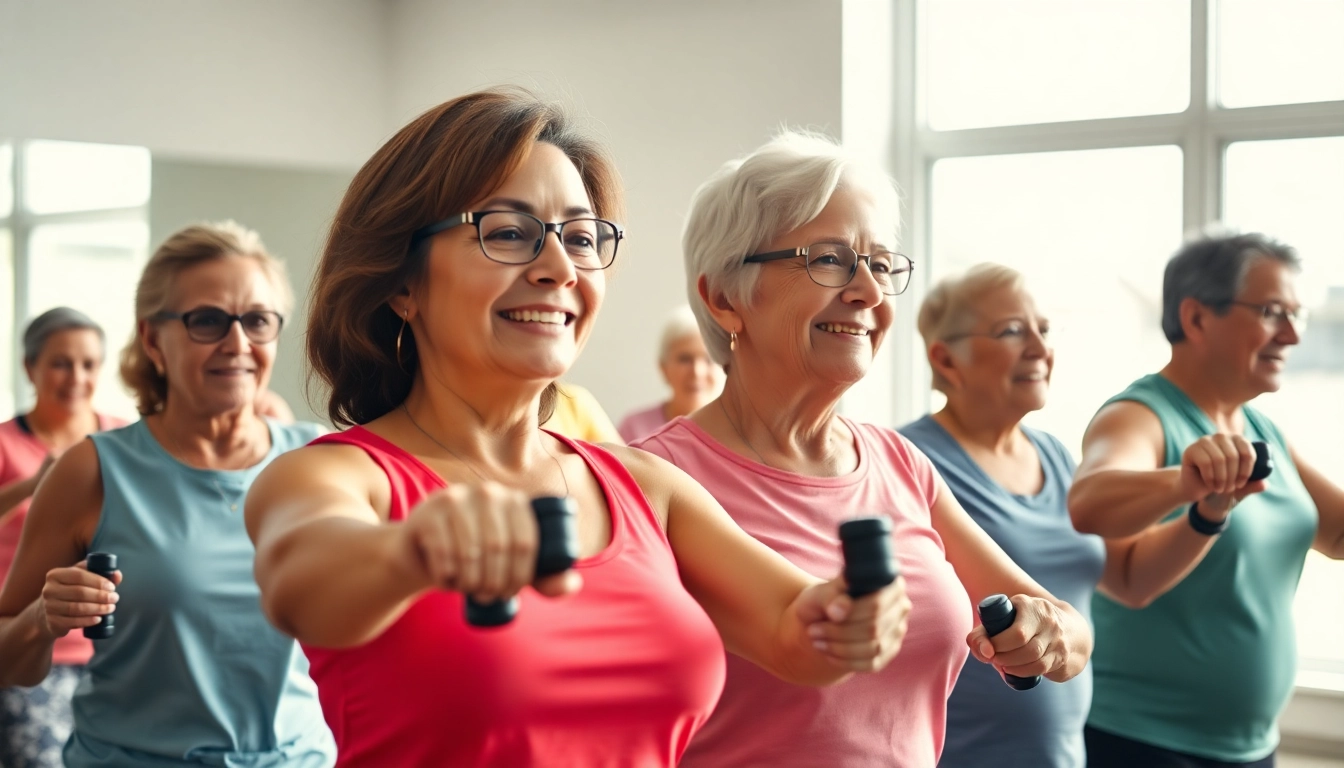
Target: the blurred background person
pixel 1196 647
pixel 686 367
pixel 63 353
pixel 989 350
pixel 194 673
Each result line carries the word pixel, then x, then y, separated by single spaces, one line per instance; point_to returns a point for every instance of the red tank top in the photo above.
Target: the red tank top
pixel 623 673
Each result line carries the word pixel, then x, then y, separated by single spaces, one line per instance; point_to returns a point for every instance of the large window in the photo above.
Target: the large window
pixel 1078 142
pixel 73 232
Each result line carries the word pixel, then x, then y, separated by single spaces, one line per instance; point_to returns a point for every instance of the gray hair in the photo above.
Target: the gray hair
pixel 679 325
pixel 1211 270
pixel 949 307
pixel 52 322
pixel 749 202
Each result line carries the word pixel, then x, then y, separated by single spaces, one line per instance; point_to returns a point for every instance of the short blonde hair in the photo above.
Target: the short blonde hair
pixel 749 202
pixel 183 250
pixel 949 308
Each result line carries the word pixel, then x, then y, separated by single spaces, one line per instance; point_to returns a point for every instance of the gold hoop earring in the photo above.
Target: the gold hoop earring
pixel 400 331
pixel 732 341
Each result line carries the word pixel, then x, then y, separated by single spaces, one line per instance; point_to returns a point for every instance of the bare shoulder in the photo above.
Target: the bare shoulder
pixel 660 479
pixel 1124 431
pixel 308 479
pixel 70 496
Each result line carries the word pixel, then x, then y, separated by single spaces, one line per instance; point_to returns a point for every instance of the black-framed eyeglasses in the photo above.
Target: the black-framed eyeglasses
pixel 208 325
pixel 513 237
pixel 1278 314
pixel 833 265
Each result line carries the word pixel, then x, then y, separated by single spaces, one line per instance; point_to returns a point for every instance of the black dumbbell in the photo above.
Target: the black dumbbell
pixel 997 614
pixel 103 564
pixel 869 562
pixel 557 551
pixel 1264 462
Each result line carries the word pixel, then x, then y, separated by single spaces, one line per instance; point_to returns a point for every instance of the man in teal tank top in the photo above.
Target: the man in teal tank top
pixel 1195 645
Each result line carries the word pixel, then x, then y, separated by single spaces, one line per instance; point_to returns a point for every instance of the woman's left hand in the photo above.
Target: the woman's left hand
pixel 860 634
pixel 1045 639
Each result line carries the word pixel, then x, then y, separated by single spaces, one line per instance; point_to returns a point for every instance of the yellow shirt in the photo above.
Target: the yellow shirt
pixel 578 415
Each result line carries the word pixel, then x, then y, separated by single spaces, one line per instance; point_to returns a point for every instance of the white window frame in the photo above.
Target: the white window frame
pixel 21 224
pixel 1203 131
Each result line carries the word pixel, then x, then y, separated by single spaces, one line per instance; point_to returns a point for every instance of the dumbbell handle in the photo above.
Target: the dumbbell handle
pixel 557 551
pixel 996 615
pixel 869 563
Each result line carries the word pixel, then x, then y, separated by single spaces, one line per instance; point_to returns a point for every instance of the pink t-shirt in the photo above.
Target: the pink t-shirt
pixel 893 718
pixel 642 423
pixel 21 454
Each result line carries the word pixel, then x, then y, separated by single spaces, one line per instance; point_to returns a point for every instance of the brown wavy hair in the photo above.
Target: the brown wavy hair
pixel 432 169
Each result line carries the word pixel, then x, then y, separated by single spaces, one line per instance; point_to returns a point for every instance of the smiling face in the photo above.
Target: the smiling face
pixel 1004 361
pixel 528 321
pixel 65 373
pixel 1250 349
pixel 223 376
pixel 824 334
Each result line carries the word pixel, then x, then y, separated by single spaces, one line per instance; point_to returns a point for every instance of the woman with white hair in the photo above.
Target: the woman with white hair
pixel 686 367
pixel 791 262
pixel 988 348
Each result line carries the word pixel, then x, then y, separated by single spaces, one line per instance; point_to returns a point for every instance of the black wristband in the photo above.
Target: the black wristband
pixel 1204 525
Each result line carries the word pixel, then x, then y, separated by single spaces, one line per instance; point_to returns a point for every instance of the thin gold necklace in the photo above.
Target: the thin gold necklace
pixel 214 473
pixel 741 436
pixel 455 455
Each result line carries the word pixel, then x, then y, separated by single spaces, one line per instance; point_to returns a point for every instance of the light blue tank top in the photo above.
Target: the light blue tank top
pixel 1207 667
pixel 989 723
pixel 194 675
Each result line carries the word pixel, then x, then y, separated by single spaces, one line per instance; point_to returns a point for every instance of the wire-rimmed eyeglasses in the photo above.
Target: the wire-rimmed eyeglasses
pixel 832 265
pixel 514 237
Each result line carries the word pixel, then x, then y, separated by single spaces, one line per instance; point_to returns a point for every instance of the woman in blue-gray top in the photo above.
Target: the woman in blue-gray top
pixel 193 674
pixel 987 345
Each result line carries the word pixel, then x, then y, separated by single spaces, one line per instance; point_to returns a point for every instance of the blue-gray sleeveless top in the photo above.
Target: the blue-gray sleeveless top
pixel 989 723
pixel 194 675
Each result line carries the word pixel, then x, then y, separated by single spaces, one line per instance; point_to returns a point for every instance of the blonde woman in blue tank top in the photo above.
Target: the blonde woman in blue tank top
pixel 193 674
pixel 1195 653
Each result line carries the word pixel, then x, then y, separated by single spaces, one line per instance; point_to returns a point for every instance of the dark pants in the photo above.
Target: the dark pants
pixel 1106 750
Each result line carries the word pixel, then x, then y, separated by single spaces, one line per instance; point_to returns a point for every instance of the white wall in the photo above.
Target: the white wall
pixel 675 88
pixel 299 82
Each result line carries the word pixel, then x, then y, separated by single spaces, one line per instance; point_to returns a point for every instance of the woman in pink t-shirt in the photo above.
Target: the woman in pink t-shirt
pixel 792 271
pixel 62 355
pixel 462 277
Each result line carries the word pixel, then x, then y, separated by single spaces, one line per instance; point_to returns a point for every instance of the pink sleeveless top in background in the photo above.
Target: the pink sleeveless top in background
pixel 622 673
pixel 893 718
pixel 22 454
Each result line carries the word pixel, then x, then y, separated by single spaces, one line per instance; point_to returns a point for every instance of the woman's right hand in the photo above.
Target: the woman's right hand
pixel 481 540
pixel 73 598
pixel 1214 472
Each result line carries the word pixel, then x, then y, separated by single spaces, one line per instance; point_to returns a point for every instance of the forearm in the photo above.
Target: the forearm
pixel 25 649
pixel 1144 568
pixel 1120 503
pixel 336 582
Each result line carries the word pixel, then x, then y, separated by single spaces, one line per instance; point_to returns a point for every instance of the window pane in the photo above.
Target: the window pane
pixel 1038 61
pixel 1091 232
pixel 62 176
pixel 7 337
pixel 6 180
pixel 1294 191
pixel 106 258
pixel 1283 52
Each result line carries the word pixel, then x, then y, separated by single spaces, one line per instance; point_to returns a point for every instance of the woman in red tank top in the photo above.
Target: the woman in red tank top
pixel 442 311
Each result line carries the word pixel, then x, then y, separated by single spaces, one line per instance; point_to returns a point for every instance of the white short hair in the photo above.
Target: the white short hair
pixel 751 201
pixel 679 325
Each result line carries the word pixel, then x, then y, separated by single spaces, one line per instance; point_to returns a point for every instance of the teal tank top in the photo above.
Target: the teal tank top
pixel 194 675
pixel 1207 667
